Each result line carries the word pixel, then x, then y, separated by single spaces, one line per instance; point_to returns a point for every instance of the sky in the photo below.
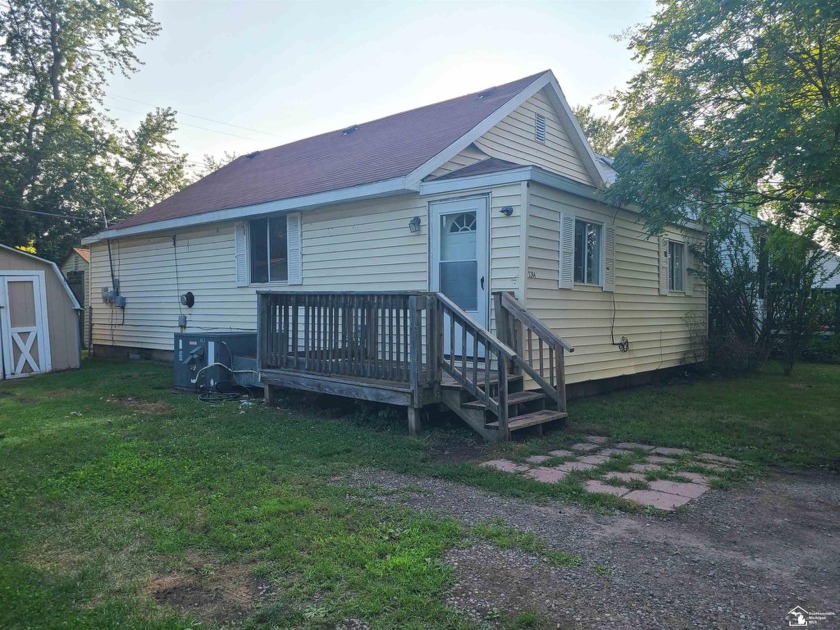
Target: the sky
pixel 247 75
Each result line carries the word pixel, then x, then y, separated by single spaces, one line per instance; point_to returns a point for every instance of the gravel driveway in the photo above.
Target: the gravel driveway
pixel 737 558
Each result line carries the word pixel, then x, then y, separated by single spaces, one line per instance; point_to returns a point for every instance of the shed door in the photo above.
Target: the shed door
pixel 23 325
pixel 459 260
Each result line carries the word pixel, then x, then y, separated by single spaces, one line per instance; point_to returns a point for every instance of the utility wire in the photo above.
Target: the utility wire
pixel 224 133
pixel 51 214
pixel 218 122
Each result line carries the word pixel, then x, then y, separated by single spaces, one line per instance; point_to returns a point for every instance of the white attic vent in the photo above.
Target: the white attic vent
pixel 539 127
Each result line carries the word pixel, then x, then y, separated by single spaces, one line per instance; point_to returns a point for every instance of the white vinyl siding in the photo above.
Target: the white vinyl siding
pixel 513 139
pixel 363 246
pixel 654 325
pixel 467 157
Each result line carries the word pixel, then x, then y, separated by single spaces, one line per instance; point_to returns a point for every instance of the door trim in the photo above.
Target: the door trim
pixel 42 325
pixel 485 240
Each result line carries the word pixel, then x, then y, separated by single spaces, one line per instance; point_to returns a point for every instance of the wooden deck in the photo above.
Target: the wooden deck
pixel 392 348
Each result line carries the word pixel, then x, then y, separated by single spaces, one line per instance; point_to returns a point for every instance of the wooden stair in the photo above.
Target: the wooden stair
pixel 526 408
pixel 485 387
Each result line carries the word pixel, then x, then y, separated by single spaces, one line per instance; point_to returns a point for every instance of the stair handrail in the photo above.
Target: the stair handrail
pixel 555 385
pixel 493 346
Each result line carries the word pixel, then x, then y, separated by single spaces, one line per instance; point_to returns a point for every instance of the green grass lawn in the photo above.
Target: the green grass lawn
pixel 122 503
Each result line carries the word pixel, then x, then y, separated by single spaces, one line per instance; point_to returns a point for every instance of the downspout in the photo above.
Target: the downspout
pixel 525 195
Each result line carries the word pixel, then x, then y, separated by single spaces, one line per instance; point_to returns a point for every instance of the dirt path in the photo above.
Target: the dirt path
pixel 738 558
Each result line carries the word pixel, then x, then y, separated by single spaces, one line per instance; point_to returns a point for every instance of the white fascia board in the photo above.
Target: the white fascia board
pixel 486 180
pixel 383 188
pixel 55 269
pixel 577 136
pixel 415 177
pixel 522 174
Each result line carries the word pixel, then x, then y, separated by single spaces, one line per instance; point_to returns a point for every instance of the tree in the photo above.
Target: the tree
pixel 603 132
pixel 737 108
pixel 211 164
pixel 59 153
pixel 764 295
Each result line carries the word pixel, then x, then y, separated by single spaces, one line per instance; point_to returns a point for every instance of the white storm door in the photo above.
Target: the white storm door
pixel 23 325
pixel 459 242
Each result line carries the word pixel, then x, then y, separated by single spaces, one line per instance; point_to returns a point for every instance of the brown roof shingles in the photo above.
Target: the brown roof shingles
pixel 379 150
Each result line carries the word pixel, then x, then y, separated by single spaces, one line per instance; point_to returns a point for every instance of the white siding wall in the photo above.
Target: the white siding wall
pixel 655 324
pixel 513 140
pixel 363 246
pixel 467 157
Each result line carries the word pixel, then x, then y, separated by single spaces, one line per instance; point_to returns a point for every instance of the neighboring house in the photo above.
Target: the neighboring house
pixel 491 192
pixel 76 268
pixel 39 316
pixel 832 273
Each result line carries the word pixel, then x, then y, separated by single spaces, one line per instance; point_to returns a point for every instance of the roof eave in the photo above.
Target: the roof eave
pixel 384 188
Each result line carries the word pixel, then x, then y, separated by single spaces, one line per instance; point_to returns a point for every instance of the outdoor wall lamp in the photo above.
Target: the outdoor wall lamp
pixel 414 225
pixel 507 210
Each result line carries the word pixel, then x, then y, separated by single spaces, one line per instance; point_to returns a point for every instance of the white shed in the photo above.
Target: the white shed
pixel 39 317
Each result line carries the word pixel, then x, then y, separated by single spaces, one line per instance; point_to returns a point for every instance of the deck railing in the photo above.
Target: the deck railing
pixel 475 358
pixel 539 352
pixel 368 335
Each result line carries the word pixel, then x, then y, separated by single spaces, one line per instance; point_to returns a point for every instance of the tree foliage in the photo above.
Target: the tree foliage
pixel 737 107
pixel 764 294
pixel 603 132
pixel 60 154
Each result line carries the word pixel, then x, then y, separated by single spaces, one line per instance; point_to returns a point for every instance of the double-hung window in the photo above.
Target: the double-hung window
pixel 676 266
pixel 269 249
pixel 588 247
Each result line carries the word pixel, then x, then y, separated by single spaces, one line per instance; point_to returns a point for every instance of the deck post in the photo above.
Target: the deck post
pixel 270 395
pixel 414 423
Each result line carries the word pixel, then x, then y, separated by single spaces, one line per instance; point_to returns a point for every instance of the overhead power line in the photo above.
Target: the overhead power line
pixel 218 122
pixel 224 133
pixel 52 214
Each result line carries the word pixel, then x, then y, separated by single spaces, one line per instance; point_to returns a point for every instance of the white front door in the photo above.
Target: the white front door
pixel 459 270
pixel 23 325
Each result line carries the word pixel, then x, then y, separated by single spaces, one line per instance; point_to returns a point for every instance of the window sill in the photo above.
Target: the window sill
pixel 260 285
pixel 586 285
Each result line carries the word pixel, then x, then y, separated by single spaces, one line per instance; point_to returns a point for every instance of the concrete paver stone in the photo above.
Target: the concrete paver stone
pixel 572 466
pixel 560 453
pixel 660 500
pixel 584 446
pixel 596 439
pixel 594 459
pixel 537 459
pixel 593 485
pixel 633 446
pixel 645 468
pixel 505 465
pixel 688 490
pixel 658 459
pixel 664 450
pixel 546 475
pixel 626 477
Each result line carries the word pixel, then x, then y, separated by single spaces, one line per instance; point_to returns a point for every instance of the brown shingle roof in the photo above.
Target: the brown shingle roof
pixel 375 151
pixel 84 253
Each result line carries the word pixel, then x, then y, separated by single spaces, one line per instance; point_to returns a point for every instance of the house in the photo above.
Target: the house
pixel 39 316
pixel 490 194
pixel 76 269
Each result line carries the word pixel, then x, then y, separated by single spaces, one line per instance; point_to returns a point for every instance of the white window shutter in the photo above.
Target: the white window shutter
pixel 567 251
pixel 609 258
pixel 663 265
pixel 241 253
pixel 293 229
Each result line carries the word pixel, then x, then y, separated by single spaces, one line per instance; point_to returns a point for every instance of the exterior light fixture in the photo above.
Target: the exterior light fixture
pixel 414 225
pixel 507 210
